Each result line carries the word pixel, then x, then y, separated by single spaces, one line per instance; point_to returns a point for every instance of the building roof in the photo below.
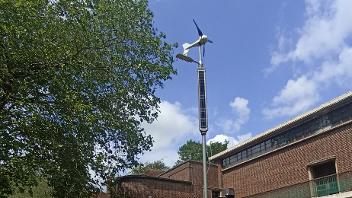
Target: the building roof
pixel 185 162
pixel 331 103
pixel 133 177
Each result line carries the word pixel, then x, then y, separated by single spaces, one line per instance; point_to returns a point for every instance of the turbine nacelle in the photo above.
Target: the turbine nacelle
pixel 202 40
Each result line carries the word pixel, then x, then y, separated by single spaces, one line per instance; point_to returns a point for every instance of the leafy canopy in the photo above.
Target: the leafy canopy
pixel 150 168
pixel 77 79
pixel 193 150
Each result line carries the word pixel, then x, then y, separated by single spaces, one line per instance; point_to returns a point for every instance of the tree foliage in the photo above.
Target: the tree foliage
pixel 150 168
pixel 193 150
pixel 42 190
pixel 77 78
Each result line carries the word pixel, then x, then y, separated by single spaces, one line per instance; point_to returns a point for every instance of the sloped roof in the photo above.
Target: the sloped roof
pixel 145 177
pixel 181 164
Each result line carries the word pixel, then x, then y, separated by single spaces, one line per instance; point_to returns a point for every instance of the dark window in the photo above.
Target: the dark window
pixel 249 151
pixel 262 146
pixel 215 194
pixel 239 156
pixel 225 162
pixel 323 170
pixel 324 179
pixel 233 159
pixel 268 145
pixel 244 155
pixel 256 149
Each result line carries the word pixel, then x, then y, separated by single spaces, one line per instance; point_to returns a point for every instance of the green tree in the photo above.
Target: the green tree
pixel 42 190
pixel 77 79
pixel 216 147
pixel 193 150
pixel 150 168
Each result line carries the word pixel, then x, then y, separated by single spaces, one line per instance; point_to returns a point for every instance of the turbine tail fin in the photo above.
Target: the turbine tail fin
pixel 186 47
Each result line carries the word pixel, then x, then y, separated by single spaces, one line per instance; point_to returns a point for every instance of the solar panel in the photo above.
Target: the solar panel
pixel 203 117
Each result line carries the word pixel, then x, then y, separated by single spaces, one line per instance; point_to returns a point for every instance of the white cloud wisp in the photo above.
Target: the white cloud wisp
pixel 232 141
pixel 240 107
pixel 171 127
pixel 323 44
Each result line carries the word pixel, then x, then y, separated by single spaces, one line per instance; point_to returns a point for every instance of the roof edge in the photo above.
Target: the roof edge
pixel 126 177
pixel 188 161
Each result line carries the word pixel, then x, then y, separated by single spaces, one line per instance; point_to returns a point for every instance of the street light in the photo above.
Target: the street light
pixel 203 114
pixel 202 99
pixel 186 58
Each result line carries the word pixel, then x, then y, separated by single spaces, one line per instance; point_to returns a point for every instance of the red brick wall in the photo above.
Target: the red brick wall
pixel 181 172
pixel 144 187
pixel 197 178
pixel 288 166
pixel 193 171
pixel 197 175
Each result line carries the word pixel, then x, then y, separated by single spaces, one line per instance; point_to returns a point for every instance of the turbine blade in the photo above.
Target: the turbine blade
pixel 200 33
pixel 210 41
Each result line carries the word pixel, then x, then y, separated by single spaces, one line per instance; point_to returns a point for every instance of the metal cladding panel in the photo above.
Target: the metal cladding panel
pixel 203 114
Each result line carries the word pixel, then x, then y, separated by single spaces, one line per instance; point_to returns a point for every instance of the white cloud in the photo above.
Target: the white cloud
pixel 298 95
pixel 232 140
pixel 323 44
pixel 168 155
pixel 172 126
pixel 175 125
pixel 240 107
pixel 244 137
pixel 339 71
pixel 326 29
pixel 232 126
pixel 222 138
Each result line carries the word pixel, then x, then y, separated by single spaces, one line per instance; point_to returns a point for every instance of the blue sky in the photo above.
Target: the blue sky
pixel 271 60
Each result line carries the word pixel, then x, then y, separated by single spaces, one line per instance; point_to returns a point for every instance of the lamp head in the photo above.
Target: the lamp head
pixel 185 58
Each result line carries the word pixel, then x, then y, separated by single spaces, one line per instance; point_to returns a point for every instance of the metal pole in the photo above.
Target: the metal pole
pixel 200 55
pixel 205 183
pixel 203 117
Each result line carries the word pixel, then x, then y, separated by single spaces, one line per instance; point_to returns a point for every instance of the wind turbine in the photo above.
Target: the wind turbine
pixel 202 101
pixel 202 40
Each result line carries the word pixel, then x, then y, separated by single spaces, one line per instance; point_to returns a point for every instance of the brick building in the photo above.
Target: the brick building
pixel 308 156
pixel 182 181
